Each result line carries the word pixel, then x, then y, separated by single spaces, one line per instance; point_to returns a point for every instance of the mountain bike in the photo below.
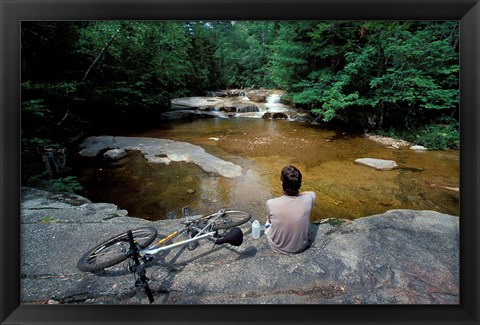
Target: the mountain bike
pixel 134 244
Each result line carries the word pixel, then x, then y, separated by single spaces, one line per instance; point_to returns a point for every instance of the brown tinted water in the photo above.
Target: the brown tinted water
pixel 262 147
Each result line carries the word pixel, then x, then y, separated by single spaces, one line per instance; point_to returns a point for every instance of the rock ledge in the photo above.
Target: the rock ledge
pixel 399 257
pixel 161 151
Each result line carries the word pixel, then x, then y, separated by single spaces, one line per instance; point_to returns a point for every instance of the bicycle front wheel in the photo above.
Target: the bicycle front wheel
pixel 230 218
pixel 114 250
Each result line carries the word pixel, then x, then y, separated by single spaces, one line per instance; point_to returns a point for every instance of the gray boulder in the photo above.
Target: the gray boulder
pixel 115 154
pixel 378 164
pixel 256 96
pixel 418 148
pixel 275 115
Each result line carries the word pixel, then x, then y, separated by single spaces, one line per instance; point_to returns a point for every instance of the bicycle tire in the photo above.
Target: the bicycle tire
pixel 231 218
pixel 114 250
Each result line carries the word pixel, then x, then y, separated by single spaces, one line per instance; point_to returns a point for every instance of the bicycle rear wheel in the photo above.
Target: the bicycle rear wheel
pixel 230 218
pixel 114 250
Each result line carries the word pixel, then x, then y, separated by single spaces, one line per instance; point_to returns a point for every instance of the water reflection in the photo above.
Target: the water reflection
pixel 426 180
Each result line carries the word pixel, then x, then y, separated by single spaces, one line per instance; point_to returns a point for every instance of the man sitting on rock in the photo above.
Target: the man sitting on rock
pixel 288 217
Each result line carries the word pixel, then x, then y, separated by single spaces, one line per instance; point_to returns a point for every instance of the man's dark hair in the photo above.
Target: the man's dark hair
pixel 291 180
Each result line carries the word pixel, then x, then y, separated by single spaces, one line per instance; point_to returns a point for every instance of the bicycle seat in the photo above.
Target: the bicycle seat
pixel 233 237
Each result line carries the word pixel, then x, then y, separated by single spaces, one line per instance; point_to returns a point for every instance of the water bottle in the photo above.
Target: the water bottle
pixel 256 229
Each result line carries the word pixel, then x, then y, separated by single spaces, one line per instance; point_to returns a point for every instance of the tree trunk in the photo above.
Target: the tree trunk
pixel 110 41
pixel 99 56
pixel 382 112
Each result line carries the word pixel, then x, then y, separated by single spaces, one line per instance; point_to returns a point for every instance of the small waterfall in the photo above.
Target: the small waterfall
pixel 273 104
pixel 247 109
pixel 273 99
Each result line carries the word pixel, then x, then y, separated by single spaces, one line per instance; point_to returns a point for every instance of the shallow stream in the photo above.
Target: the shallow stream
pixel 424 181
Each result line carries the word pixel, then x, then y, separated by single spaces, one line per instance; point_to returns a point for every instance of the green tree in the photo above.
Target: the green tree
pixel 147 62
pixel 381 70
pixel 401 74
pixel 290 54
pixel 419 74
pixel 242 52
pixel 206 74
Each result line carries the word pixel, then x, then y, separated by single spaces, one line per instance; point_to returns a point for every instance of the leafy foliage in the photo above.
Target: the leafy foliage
pixel 85 75
pixel 35 107
pixel 69 184
pixel 388 69
pixel 290 54
pixel 242 52
pixel 440 136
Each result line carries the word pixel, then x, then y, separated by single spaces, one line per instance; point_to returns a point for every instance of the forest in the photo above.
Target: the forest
pixel 399 78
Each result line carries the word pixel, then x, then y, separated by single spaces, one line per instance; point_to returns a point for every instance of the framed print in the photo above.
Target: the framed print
pixel 232 91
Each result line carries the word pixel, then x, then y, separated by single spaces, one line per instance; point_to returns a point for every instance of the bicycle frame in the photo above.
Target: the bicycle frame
pixel 202 233
pixel 154 249
pixel 141 256
pixel 220 227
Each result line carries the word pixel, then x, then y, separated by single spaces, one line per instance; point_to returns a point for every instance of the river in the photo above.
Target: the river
pixel 262 147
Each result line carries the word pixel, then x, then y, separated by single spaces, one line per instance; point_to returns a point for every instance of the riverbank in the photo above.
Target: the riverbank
pixel 391 142
pixel 399 257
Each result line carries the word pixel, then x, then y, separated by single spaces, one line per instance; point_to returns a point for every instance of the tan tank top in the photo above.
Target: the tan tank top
pixel 290 219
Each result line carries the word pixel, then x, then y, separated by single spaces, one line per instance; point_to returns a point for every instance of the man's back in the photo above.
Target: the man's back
pixel 290 218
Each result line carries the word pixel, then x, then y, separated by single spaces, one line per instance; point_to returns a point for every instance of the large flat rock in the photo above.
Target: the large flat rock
pixel 378 164
pixel 399 257
pixel 193 103
pixel 162 151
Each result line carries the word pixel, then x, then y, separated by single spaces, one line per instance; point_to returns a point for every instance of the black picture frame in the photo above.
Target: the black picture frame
pixel 13 12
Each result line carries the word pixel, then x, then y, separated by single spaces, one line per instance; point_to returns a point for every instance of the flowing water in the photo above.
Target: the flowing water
pixel 262 147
